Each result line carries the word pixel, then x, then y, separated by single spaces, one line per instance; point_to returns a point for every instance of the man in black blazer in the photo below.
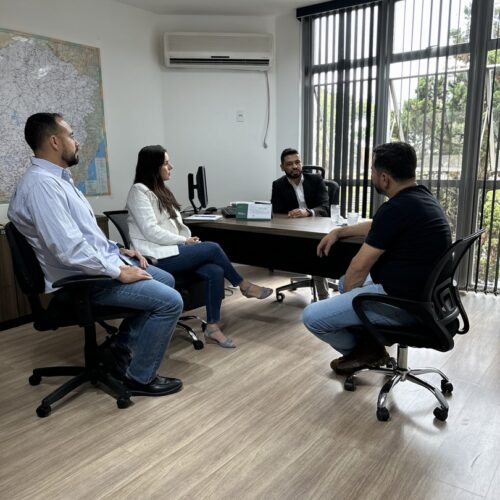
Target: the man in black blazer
pixel 300 195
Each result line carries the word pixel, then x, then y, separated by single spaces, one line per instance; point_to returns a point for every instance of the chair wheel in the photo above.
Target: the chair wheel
pixel 383 414
pixel 123 403
pixel 280 297
pixel 441 413
pixel 446 387
pixel 198 344
pixel 43 411
pixel 349 384
pixel 34 379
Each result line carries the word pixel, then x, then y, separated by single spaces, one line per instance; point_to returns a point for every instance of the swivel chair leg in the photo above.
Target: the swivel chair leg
pixel 197 343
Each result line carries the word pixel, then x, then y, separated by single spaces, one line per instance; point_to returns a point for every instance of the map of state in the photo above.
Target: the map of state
pixel 39 74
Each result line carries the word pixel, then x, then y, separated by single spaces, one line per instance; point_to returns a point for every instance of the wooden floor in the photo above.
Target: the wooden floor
pixel 265 420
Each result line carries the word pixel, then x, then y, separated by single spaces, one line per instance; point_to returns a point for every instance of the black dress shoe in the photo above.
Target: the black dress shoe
pixel 159 386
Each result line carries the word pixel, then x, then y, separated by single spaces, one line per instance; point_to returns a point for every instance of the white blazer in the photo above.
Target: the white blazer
pixel 153 232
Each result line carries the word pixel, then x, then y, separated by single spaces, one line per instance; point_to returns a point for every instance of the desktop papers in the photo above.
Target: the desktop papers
pixel 204 217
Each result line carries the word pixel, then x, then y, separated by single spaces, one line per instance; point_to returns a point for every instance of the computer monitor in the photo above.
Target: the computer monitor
pixel 200 187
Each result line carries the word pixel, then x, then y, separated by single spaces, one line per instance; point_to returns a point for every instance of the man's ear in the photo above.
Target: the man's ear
pixel 54 142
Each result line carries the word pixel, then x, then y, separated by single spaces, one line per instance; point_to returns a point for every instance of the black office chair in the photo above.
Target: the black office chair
pixel 68 306
pixel 189 285
pixel 438 314
pixel 308 281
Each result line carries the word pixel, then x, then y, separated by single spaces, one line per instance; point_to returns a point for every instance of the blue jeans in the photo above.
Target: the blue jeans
pixel 208 260
pixel 148 334
pixel 329 319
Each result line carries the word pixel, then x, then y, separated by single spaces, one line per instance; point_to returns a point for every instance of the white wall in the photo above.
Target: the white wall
pixel 132 82
pixel 200 118
pixel 192 113
pixel 288 94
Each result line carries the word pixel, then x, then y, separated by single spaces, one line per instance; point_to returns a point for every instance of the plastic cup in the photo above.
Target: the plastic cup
pixel 335 213
pixel 352 218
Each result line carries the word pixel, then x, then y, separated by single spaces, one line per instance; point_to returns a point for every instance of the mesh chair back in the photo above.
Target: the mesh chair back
pixel 314 169
pixel 331 185
pixel 441 289
pixel 27 270
pixel 119 219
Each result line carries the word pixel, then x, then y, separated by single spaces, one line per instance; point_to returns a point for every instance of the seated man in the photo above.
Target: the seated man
pixel 300 195
pixel 404 240
pixel 59 224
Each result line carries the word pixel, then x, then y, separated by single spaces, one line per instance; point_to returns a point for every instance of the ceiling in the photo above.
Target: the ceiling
pixel 220 7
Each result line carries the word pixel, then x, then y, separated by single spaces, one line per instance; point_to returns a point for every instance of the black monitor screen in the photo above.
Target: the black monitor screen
pixel 200 187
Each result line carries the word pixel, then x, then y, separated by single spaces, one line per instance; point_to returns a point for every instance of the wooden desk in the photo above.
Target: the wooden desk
pixel 281 243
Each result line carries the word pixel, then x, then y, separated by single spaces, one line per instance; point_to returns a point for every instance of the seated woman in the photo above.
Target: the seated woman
pixel 156 229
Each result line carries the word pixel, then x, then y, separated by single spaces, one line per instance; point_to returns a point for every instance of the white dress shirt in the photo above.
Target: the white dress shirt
pixel 299 193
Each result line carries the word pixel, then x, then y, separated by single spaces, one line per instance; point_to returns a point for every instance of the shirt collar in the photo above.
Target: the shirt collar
pixel 295 186
pixel 52 168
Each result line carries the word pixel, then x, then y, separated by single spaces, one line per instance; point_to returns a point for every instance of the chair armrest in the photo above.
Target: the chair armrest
pixel 422 311
pixel 80 281
pixel 151 260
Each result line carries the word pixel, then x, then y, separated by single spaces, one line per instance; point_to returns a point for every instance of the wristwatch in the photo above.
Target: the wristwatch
pixel 309 212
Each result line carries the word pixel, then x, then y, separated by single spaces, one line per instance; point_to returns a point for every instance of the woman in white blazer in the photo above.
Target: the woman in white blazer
pixel 156 229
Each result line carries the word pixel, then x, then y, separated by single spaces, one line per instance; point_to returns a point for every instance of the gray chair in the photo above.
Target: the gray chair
pixel 308 281
pixel 439 316
pixel 189 285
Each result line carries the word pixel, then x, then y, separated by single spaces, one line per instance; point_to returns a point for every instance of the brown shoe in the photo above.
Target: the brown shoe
pixel 335 362
pixel 347 365
pixel 367 353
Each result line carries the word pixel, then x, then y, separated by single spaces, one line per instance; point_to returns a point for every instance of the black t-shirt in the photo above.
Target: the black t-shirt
pixel 412 229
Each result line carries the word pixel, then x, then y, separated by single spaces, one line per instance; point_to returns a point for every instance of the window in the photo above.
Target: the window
pixel 384 70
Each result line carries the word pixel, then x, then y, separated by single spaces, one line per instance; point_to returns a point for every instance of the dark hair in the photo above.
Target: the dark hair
pixel 398 159
pixel 147 172
pixel 288 152
pixel 40 126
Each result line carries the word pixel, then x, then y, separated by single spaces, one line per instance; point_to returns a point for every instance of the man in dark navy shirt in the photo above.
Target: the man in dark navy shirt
pixel 407 235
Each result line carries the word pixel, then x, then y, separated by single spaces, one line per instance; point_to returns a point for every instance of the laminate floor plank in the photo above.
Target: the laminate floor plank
pixel 268 419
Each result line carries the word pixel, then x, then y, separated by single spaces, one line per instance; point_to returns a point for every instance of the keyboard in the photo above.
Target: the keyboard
pixel 229 211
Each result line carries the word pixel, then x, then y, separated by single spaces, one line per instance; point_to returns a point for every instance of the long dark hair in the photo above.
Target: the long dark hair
pixel 147 172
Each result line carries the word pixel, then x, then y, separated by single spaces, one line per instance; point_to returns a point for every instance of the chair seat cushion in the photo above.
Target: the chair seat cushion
pixel 408 335
pixel 61 311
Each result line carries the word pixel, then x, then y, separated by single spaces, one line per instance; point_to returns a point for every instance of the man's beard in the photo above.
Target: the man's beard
pixel 293 175
pixel 71 160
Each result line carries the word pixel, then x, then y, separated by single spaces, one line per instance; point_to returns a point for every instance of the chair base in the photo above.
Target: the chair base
pixel 197 343
pixel 299 282
pixel 303 282
pixel 398 371
pixel 96 375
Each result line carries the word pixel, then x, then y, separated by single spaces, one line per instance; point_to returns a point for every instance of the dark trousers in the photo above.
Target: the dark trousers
pixel 208 260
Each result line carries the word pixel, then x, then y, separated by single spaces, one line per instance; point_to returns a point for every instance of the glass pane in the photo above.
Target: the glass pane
pixel 427 102
pixel 422 24
pixel 488 179
pixel 495 27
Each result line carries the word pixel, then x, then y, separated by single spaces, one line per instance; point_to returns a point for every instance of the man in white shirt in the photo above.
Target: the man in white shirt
pixel 58 222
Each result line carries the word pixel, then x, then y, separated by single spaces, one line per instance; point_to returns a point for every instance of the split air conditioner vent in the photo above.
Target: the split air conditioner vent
pixel 247 51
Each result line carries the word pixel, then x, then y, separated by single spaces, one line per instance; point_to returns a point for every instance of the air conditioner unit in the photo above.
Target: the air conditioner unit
pixel 247 51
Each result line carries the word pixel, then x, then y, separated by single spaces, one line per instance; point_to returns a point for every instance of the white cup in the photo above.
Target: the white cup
pixel 352 218
pixel 335 213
